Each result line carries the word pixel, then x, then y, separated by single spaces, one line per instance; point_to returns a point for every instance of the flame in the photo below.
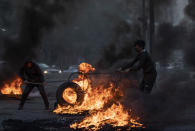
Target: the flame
pixel 70 95
pixel 12 88
pixel 86 68
pixel 102 102
pixel 115 116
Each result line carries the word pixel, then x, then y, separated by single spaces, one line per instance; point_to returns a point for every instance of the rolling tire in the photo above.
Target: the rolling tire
pixel 76 88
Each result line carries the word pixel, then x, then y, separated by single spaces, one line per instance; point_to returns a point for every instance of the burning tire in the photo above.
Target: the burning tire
pixel 69 93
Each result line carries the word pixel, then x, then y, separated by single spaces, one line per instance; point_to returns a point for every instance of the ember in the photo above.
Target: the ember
pixel 102 102
pixel 12 88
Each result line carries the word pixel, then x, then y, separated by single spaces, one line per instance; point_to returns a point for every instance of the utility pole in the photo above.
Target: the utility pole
pixel 151 25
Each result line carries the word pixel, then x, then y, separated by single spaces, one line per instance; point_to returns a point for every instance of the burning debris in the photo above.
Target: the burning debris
pixel 12 88
pixel 102 101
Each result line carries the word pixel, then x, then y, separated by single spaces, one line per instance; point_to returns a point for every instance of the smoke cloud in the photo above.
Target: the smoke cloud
pixel 189 47
pixel 169 39
pixel 36 17
pixel 173 94
pixel 189 10
pixel 91 28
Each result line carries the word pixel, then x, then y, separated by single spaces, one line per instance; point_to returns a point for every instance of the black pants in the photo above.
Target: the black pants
pixel 29 88
pixel 148 82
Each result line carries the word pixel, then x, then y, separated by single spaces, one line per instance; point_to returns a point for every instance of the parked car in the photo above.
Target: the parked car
pixel 48 70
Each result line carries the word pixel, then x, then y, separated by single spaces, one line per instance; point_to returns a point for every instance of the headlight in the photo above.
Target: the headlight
pixel 60 71
pixel 45 72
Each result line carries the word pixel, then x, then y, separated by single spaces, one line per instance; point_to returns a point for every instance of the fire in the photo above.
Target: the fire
pixel 86 68
pixel 102 102
pixel 70 96
pixel 12 88
pixel 115 116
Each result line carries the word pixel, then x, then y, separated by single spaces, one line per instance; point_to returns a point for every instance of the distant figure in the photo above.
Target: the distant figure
pixel 145 63
pixel 32 76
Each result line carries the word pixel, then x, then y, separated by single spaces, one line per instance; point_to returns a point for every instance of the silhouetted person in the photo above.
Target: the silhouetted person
pixel 144 62
pixel 32 75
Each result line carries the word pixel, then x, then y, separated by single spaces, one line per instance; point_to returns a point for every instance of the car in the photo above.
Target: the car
pixel 48 70
pixel 72 69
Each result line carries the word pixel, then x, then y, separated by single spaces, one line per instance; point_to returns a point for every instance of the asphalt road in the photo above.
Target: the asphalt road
pixel 34 109
pixel 34 106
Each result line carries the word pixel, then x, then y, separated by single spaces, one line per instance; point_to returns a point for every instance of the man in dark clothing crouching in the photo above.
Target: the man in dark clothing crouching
pixel 145 63
pixel 32 76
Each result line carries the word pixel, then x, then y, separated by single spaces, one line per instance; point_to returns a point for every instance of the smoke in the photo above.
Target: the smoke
pixel 84 28
pixel 36 18
pixel 160 3
pixel 90 29
pixel 189 47
pixel 78 30
pixel 169 38
pixel 189 10
pixel 189 51
pixel 121 45
pixel 167 104
pixel 119 49
pixel 172 95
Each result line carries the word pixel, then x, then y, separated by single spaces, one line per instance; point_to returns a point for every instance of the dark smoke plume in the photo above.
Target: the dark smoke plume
pixel 121 46
pixel 37 18
pixel 168 39
pixel 189 47
pixel 190 10
pixel 161 2
pixel 173 94
pixel 189 50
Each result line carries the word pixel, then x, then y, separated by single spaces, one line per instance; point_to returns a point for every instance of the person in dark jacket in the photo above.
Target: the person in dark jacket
pixel 32 76
pixel 144 62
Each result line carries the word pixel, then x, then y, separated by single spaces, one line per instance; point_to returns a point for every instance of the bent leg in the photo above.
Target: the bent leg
pixel 25 94
pixel 44 95
pixel 149 83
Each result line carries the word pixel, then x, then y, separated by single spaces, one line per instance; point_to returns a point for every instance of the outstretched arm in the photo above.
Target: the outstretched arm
pixel 130 64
